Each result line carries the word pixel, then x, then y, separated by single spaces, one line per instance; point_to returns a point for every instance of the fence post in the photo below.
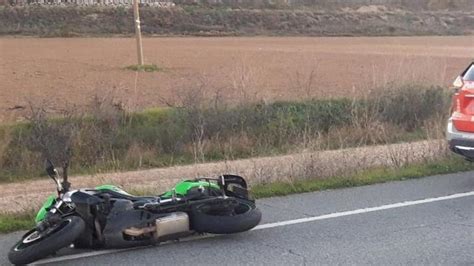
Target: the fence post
pixel 138 32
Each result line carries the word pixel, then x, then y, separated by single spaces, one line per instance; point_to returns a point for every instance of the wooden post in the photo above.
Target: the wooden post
pixel 138 32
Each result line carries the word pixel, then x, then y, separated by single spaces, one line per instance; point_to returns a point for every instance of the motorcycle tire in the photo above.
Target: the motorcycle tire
pixel 34 246
pixel 207 219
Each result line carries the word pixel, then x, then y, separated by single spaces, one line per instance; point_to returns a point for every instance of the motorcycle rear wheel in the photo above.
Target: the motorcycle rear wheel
pixel 35 245
pixel 207 218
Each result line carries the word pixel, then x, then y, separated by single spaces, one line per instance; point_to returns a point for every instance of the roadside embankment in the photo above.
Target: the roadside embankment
pixel 27 195
pixel 107 138
pixel 99 21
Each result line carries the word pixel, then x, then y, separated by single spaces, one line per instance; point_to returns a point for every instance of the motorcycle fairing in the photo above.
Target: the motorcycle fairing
pixel 48 203
pixel 182 188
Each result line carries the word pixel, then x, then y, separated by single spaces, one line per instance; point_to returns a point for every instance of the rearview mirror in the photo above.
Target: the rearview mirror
pixel 458 82
pixel 50 169
pixel 53 173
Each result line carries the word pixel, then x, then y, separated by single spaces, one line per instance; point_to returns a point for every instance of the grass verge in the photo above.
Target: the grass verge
pixel 16 222
pixel 367 177
pixel 107 137
pixel 451 164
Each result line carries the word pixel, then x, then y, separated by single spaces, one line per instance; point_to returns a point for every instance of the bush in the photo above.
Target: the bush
pixel 409 106
pixel 109 138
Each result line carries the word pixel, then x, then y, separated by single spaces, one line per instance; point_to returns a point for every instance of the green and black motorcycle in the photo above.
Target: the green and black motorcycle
pixel 108 217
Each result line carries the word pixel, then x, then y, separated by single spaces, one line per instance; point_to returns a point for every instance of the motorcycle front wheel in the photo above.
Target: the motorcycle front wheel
pixel 35 245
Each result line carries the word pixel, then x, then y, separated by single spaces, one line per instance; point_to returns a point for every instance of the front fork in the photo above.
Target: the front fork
pixel 52 217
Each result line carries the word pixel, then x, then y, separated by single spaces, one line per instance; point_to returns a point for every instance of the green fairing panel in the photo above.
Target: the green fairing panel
pixel 183 187
pixel 50 201
pixel 113 188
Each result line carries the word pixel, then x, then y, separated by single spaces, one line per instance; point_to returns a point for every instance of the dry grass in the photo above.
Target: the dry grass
pixel 307 161
pixel 198 129
pixel 262 170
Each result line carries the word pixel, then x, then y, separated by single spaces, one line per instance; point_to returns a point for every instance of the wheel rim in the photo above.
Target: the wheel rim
pixel 32 237
pixel 35 235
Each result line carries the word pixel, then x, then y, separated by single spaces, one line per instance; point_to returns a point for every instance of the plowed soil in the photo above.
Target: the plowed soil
pixel 62 71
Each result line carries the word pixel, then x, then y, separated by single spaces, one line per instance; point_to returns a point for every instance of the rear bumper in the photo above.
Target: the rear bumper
pixel 459 142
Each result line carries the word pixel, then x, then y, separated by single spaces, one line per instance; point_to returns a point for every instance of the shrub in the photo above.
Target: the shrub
pixel 109 138
pixel 410 106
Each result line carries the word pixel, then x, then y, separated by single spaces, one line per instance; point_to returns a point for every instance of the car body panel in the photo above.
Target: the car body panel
pixel 460 128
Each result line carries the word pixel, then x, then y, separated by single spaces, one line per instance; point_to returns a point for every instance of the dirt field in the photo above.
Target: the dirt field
pixel 236 69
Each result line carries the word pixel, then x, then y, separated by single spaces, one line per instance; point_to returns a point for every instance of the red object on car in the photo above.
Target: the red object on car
pixel 460 131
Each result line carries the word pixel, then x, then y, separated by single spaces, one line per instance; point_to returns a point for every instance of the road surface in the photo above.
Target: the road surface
pixel 423 221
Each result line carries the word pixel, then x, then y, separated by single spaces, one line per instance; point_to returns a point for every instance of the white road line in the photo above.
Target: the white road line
pixel 277 224
pixel 364 210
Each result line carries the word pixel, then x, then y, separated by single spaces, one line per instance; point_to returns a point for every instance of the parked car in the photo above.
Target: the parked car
pixel 460 131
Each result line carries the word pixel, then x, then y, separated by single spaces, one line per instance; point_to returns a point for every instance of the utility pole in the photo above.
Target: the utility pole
pixel 138 32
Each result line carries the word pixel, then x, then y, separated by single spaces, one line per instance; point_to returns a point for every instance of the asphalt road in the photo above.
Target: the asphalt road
pixel 423 221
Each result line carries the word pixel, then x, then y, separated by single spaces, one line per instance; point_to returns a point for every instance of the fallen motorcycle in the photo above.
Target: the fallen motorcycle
pixel 108 217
